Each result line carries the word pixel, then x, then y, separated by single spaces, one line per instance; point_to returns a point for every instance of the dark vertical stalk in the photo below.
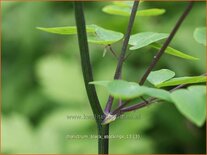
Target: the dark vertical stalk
pixel 88 77
pixel 103 140
pixel 85 60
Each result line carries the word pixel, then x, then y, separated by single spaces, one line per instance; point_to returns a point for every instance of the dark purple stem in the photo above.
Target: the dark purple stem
pixel 167 42
pixel 123 52
pixel 112 51
pixel 150 100
pixel 160 53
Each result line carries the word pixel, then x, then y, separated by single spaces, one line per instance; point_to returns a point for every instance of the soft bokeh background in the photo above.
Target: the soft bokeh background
pixel 42 83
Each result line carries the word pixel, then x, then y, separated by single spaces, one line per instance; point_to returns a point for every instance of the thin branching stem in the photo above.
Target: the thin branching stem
pixel 109 105
pixel 121 59
pixel 167 42
pixel 126 41
pixel 151 100
pixel 113 52
pixel 157 57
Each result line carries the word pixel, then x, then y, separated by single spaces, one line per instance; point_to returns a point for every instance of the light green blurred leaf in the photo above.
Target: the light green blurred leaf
pixel 6 6
pixel 129 90
pixel 151 12
pixel 17 135
pixel 191 103
pixel 174 52
pixel 134 146
pixel 96 34
pixel 143 39
pixel 200 35
pixel 53 130
pixel 160 76
pixel 117 10
pixel 60 79
pixel 126 11
pixel 135 121
pixel 183 80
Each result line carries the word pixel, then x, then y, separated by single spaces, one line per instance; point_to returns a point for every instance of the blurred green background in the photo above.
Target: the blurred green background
pixel 42 83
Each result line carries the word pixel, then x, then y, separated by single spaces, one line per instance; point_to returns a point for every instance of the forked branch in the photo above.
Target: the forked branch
pixel 121 58
pixel 158 56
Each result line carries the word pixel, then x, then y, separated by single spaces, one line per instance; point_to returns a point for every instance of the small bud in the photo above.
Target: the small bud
pixel 108 119
pixel 105 51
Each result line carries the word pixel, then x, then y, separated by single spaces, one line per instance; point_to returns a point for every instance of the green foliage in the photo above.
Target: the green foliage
pixel 160 76
pixel 191 103
pixel 20 132
pixel 200 35
pixel 125 11
pixel 143 39
pixel 67 30
pixel 96 34
pixel 130 90
pixel 99 35
pixel 121 89
pixel 164 78
pixel 151 12
pixel 158 93
pixel 40 71
pixel 174 52
pixel 183 80
pixel 104 36
pixel 56 76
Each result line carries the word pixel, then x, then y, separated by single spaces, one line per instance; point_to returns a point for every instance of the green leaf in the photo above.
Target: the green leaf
pixel 96 34
pixel 158 93
pixel 191 103
pixel 183 80
pixel 130 90
pixel 121 89
pixel 126 11
pixel 160 76
pixel 67 30
pixel 104 36
pixel 151 12
pixel 143 39
pixel 117 10
pixel 200 35
pixel 174 52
